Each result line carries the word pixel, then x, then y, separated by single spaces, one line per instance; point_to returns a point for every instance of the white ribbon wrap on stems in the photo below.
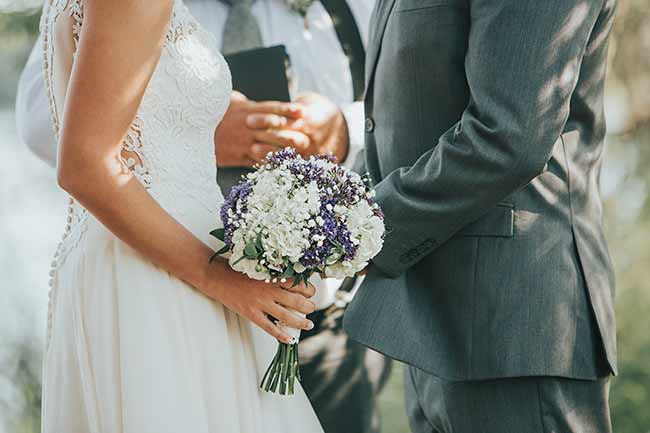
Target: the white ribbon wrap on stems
pixel 292 332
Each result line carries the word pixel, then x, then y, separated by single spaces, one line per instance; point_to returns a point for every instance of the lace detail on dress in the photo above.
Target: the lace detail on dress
pixel 182 24
pixel 132 153
pixel 77 14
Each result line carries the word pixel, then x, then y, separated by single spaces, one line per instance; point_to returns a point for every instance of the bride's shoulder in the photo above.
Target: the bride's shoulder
pixel 136 28
pixel 143 15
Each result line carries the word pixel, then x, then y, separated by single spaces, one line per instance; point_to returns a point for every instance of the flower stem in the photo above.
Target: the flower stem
pixel 283 379
pixel 273 370
pixel 283 371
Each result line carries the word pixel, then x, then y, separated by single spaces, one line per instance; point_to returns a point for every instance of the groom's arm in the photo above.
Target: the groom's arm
pixel 522 66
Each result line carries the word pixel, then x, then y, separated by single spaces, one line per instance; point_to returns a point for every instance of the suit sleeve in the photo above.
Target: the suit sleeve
pixel 522 65
pixel 33 119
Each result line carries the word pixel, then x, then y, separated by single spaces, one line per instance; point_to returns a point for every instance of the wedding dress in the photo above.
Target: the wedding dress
pixel 129 347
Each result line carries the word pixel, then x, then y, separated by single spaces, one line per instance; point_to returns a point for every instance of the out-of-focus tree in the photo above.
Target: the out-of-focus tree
pixel 630 60
pixel 627 212
pixel 18 24
pixel 17 32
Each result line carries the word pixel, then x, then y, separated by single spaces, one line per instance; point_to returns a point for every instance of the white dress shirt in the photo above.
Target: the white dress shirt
pixel 317 60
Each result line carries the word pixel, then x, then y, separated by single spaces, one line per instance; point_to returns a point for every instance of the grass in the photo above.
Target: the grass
pixel 391 402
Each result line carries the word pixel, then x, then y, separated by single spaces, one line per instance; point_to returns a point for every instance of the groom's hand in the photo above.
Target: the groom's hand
pixel 237 143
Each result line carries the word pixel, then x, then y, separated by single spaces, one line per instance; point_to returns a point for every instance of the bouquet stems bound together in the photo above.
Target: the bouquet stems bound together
pixel 283 371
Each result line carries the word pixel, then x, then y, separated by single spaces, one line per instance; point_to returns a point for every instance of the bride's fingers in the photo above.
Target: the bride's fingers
pixel 271 328
pixel 289 318
pixel 307 290
pixel 294 301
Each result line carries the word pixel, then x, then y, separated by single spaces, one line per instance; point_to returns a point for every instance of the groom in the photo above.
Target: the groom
pixel 484 138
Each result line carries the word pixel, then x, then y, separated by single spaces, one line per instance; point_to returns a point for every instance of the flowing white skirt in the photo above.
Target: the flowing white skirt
pixel 135 350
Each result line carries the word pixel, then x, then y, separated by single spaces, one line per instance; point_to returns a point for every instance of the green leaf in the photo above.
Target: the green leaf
pixel 219 234
pixel 223 250
pixel 250 250
pixel 288 273
pixel 239 260
pixel 303 277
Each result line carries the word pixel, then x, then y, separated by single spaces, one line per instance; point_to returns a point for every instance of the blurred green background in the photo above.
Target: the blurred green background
pixel 31 216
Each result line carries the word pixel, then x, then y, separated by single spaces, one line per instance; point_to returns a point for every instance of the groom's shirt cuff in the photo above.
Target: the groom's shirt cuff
pixel 354 117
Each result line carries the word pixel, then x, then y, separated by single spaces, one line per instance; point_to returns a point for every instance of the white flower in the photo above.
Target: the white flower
pixel 341 270
pixel 366 231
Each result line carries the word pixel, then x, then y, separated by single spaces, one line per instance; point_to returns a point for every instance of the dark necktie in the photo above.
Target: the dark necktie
pixel 241 31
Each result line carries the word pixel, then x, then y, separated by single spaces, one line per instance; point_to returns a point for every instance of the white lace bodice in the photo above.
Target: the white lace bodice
pixel 170 147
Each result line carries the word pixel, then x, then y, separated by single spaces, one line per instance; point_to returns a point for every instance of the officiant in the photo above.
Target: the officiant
pixel 323 47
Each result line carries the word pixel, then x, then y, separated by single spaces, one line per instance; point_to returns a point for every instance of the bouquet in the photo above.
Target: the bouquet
pixel 294 217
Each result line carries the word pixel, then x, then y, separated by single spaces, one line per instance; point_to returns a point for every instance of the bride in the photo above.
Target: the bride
pixel 143 334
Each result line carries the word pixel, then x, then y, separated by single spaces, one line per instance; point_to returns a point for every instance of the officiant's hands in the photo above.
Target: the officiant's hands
pixel 318 118
pixel 249 130
pixel 323 122
pixel 237 143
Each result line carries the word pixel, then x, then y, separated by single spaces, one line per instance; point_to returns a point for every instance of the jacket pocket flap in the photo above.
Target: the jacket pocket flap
pixel 498 222
pixel 415 5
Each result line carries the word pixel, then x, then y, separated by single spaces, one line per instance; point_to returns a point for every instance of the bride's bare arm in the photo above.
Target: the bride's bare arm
pixel 119 47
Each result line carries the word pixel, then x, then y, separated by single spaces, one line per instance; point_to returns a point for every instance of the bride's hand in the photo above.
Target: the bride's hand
pixel 255 300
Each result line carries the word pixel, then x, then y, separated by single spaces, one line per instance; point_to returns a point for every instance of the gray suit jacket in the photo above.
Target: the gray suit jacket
pixel 485 132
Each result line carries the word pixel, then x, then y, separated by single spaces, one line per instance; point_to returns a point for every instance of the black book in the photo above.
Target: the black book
pixel 261 73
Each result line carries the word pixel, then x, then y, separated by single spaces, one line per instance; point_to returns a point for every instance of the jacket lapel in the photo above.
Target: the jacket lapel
pixel 380 19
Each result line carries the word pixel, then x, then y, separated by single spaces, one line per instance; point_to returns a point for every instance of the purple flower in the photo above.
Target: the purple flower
pixel 276 159
pixel 236 203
